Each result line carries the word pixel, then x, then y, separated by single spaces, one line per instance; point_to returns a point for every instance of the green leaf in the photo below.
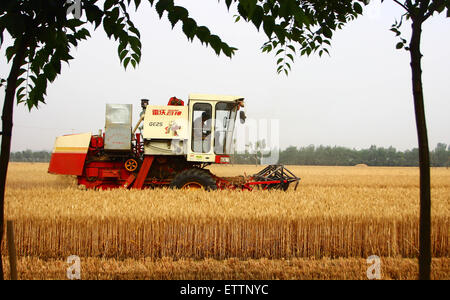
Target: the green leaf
pixel 136 49
pixel 122 46
pixel 268 24
pixel 399 45
pixel 93 14
pixel 73 23
pixel 135 31
pixel 126 62
pixel 257 17
pixel 215 43
pixel 137 3
pixel 136 57
pixel 21 71
pixel 250 7
pixel 10 51
pixel 396 31
pixel 228 3
pixel 50 72
pixel 20 81
pixel 327 32
pixel 241 10
pixel 108 26
pixel 267 48
pixel 134 42
pixel 189 28
pixel 82 34
pixel 178 13
pixel 181 12
pixel 308 51
pixel 114 15
pixel 280 33
pixel 19 94
pixel 279 68
pixel 288 65
pixel 292 48
pixel 56 63
pixel 203 34
pixel 162 6
pixel 227 50
pixel 357 7
pixel 123 54
pixel 108 4
pixel 290 56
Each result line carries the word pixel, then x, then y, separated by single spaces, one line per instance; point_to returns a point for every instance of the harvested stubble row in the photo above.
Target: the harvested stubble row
pixel 229 269
pixel 54 219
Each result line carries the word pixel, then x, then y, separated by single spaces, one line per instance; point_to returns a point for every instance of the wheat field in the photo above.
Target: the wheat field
pixel 336 218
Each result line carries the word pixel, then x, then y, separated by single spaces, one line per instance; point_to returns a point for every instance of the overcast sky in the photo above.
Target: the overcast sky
pixel 359 96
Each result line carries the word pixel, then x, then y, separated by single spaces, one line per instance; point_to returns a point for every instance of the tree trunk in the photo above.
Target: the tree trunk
pixel 424 154
pixel 7 123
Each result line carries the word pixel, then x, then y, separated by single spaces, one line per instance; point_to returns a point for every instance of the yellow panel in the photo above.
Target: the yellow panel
pixel 73 143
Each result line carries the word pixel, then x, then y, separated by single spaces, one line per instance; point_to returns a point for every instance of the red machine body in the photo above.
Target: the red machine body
pixel 97 170
pixel 99 166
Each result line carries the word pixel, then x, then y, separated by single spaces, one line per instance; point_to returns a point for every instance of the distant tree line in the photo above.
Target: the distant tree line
pixel 30 156
pixel 311 155
pixel 341 156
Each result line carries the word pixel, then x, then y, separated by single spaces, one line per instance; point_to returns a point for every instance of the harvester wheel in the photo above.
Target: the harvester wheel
pixel 194 179
pixel 131 165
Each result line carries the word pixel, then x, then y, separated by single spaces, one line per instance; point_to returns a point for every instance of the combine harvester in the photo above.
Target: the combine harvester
pixel 171 149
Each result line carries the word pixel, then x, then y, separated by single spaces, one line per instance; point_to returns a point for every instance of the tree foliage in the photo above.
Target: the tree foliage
pixel 297 27
pixel 292 27
pixel 50 34
pixel 418 11
pixel 342 156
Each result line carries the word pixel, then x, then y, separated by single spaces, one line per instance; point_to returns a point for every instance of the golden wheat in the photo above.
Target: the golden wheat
pixel 335 212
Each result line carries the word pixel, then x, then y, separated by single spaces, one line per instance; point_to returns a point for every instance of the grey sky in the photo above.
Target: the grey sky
pixel 358 97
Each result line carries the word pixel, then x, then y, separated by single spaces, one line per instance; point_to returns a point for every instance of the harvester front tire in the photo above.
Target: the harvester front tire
pixel 194 178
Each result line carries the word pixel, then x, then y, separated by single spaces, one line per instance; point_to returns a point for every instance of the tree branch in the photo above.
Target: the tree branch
pixel 402 5
pixel 432 8
pixel 423 7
